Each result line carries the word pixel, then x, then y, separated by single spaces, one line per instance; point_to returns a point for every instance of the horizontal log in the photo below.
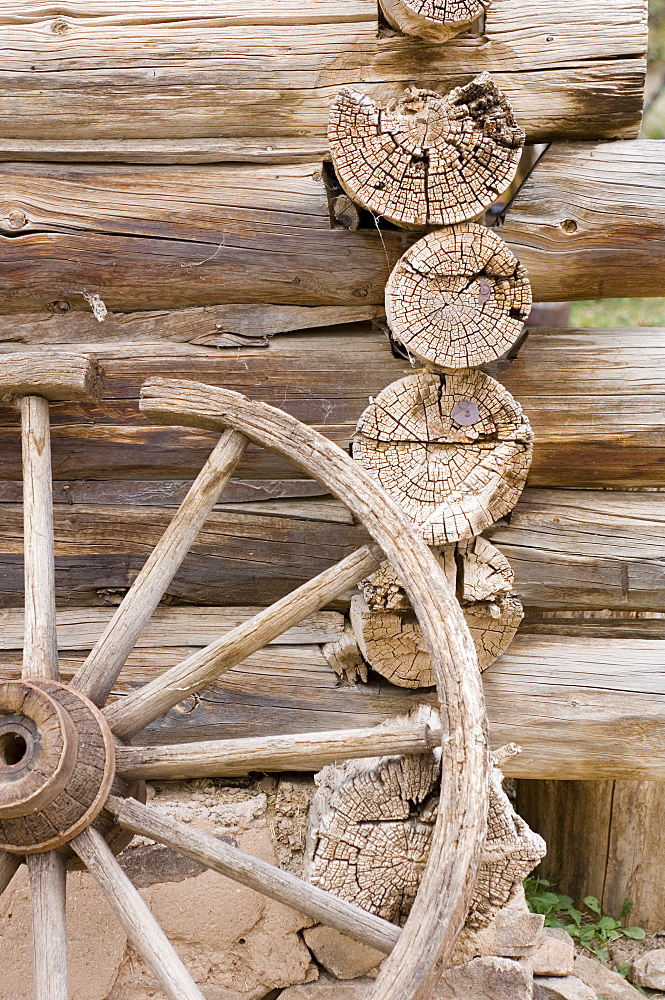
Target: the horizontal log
pixel 571 69
pixel 614 435
pixel 580 709
pixel 589 222
pixel 80 629
pixel 139 237
pixel 569 549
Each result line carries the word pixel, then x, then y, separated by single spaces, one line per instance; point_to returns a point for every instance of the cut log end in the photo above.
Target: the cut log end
pixel 458 298
pixel 453 451
pixel 431 19
pixel 370 830
pixel 433 160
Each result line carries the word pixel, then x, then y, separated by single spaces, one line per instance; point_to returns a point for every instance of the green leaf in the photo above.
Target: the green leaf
pixel 601 955
pixel 593 904
pixel 608 923
pixel 623 969
pixel 635 933
pixel 626 909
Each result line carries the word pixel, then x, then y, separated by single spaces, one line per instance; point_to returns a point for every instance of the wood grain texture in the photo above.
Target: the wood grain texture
pixel 576 549
pixel 296 752
pixel 40 653
pixel 605 839
pixel 265 235
pixel 580 709
pixel 612 436
pixel 588 222
pixel 48 873
pixel 101 668
pixel 222 73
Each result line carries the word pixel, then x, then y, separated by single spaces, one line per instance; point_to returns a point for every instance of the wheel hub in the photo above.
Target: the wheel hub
pixel 57 762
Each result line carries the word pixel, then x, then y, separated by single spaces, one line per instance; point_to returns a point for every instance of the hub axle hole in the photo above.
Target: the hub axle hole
pixel 13 748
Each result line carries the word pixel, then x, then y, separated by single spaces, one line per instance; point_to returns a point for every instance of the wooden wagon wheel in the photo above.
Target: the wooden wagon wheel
pixel 61 751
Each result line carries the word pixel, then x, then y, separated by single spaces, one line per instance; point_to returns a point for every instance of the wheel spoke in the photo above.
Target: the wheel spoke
pixel 48 873
pixel 135 916
pixel 9 865
pixel 298 752
pixel 98 673
pixel 131 714
pixel 257 874
pixel 40 650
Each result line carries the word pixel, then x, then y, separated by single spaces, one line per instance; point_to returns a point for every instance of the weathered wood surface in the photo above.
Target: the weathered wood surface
pixel 605 838
pixel 589 221
pixel 569 69
pixel 613 435
pixel 569 549
pixel 580 709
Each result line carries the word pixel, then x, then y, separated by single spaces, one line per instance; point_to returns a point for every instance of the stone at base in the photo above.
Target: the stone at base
pixel 339 954
pixel 555 953
pixel 649 970
pixel 486 979
pixel 602 980
pixel 561 988
pixel 329 988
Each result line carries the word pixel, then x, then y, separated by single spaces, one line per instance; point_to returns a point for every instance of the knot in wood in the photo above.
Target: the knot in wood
pixel 57 762
pixel 458 298
pixel 435 20
pixel 433 160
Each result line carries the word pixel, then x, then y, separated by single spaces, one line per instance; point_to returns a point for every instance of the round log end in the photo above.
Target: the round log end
pixel 458 298
pixel 433 160
pixel 431 19
pixel 452 450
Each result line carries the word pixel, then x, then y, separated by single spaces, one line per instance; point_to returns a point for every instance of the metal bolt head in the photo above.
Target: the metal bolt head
pixel 17 219
pixel 465 412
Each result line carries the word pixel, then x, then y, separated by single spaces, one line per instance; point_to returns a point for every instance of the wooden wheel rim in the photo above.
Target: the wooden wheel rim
pixel 442 902
pixel 441 905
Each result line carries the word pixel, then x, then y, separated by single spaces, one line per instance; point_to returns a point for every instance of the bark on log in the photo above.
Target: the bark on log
pixel 427 19
pixel 222 75
pixel 431 161
pixel 458 298
pixel 452 450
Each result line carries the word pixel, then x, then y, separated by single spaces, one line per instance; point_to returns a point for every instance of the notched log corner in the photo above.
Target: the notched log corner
pixel 370 829
pixel 432 160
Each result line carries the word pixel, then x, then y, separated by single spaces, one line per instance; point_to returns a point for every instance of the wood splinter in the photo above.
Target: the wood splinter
pixel 431 161
pixel 458 298
pixel 434 20
pixel 453 450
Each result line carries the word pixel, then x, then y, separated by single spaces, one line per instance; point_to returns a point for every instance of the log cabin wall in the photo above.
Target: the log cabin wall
pixel 171 163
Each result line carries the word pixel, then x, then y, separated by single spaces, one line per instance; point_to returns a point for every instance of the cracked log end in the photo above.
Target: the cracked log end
pixel 434 20
pixel 392 641
pixel 370 830
pixel 432 160
pixel 458 298
pixel 452 450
